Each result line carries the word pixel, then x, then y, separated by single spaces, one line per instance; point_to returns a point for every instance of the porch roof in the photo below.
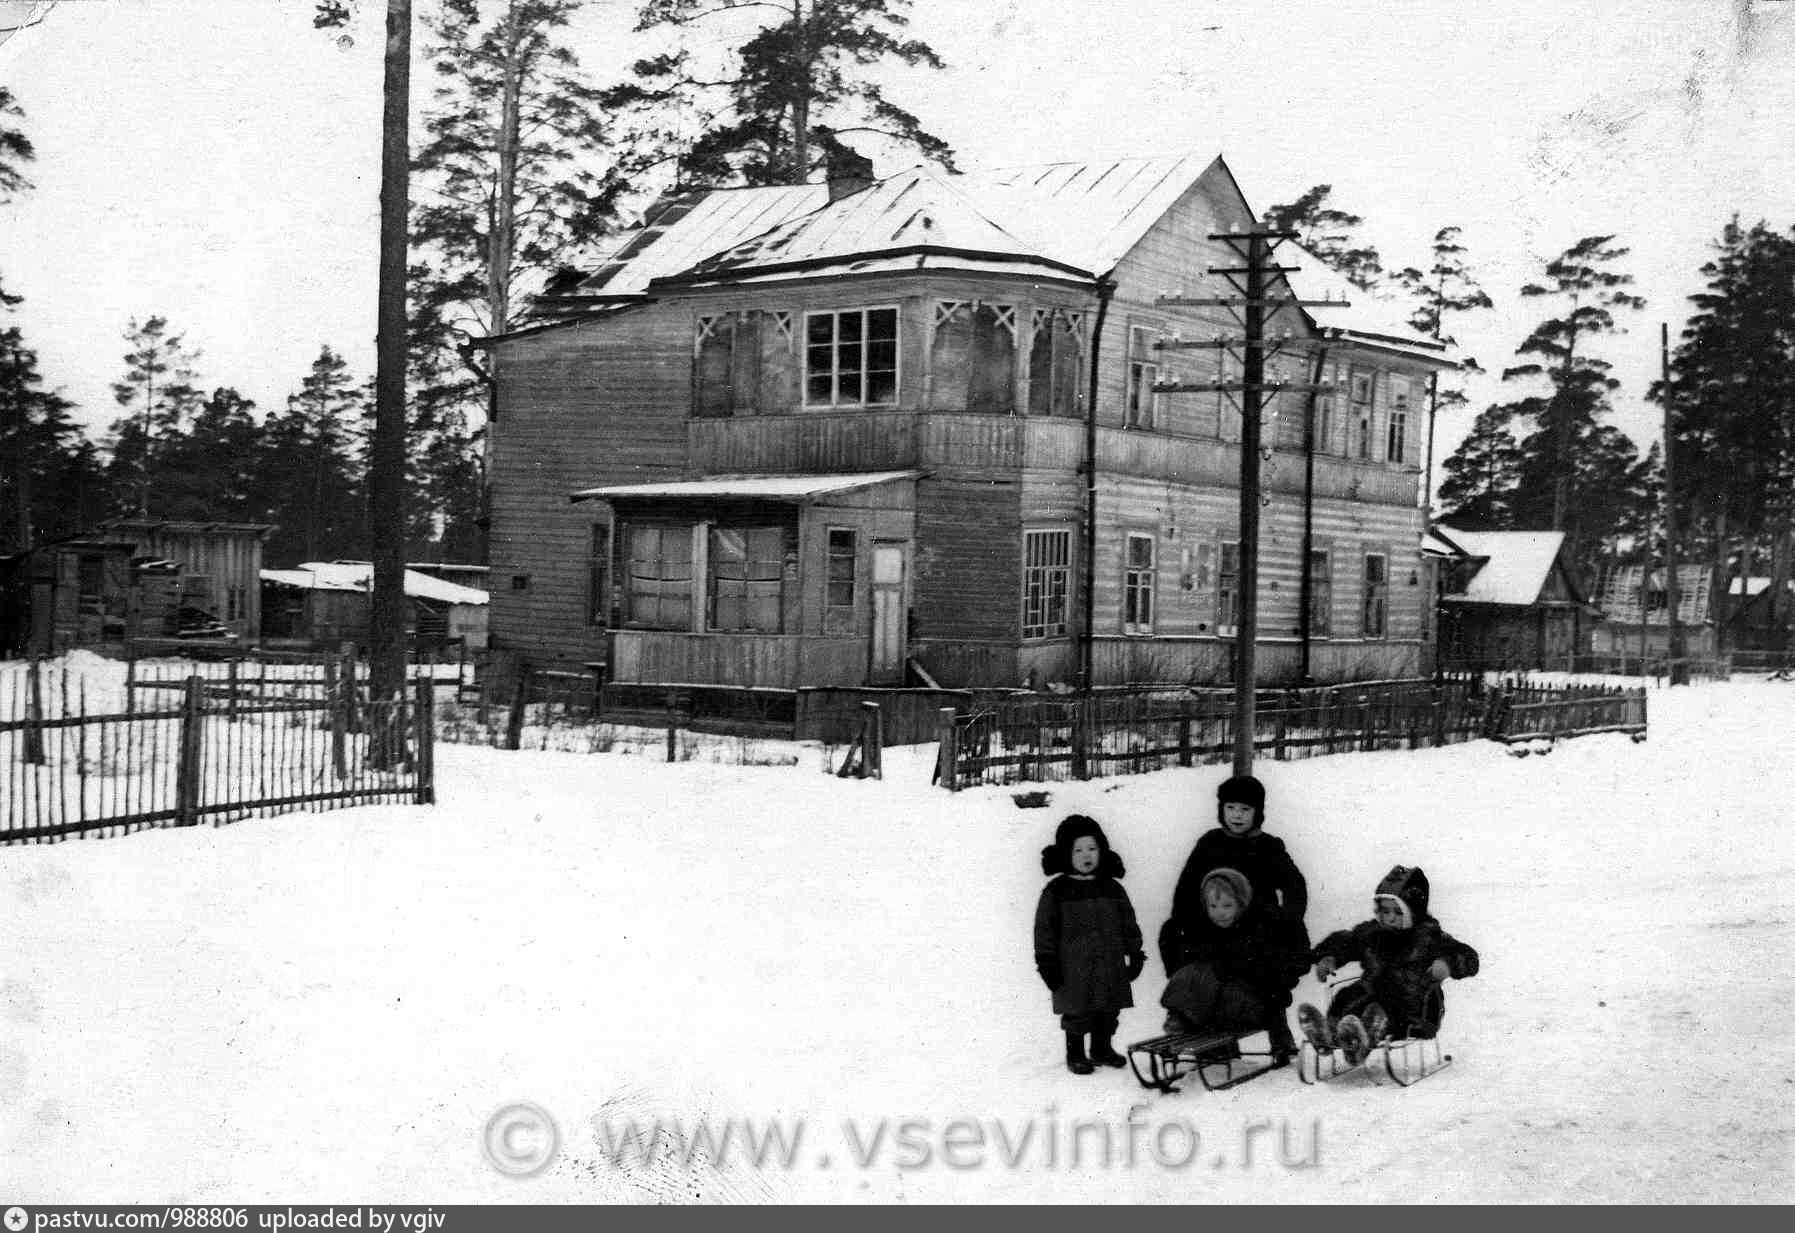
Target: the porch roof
pixel 794 488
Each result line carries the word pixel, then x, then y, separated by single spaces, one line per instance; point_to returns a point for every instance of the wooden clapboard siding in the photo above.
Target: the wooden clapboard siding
pixel 813 442
pixel 968 571
pixel 579 406
pixel 769 661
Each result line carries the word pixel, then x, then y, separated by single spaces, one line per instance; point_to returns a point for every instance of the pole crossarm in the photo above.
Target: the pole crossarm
pixel 1235 301
pixel 1240 387
pixel 1266 234
pixel 1270 269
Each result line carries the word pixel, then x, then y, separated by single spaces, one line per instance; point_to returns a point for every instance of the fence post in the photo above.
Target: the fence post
pixel 187 770
pixel 131 679
pixel 1279 732
pixel 426 743
pixel 1081 738
pixel 337 710
pixel 230 698
pixel 347 654
pixel 672 726
pixel 872 762
pixel 1184 739
pixel 514 723
pixel 1439 718
pixel 34 713
pixel 947 768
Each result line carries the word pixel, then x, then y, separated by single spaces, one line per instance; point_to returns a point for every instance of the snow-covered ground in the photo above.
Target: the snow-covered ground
pixel 333 1007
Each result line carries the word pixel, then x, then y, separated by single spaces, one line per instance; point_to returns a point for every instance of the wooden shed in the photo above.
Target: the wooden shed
pixel 1515 603
pixel 325 603
pixel 221 561
pixel 841 435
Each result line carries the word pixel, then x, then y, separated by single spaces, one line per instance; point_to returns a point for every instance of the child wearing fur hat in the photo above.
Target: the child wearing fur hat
pixel 1405 956
pixel 1087 942
pixel 1237 841
pixel 1239 966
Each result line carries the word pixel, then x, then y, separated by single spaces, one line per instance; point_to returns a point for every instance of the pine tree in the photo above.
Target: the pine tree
pixel 1327 234
pixel 40 443
pixel 1445 290
pixel 159 394
pixel 311 467
pixel 210 473
pixel 1480 478
pixel 799 81
pixel 1568 449
pixel 1732 399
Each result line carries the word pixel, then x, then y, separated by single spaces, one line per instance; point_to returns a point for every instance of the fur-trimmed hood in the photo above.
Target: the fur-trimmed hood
pixel 1056 857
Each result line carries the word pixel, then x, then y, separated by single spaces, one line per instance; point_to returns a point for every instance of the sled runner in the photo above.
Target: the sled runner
pixel 1216 1058
pixel 1402 1062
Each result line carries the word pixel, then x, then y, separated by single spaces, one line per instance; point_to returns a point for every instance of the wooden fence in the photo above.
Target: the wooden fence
pixel 1040 740
pixel 78 758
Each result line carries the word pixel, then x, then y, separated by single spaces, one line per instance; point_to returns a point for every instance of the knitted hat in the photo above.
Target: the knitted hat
pixel 1056 857
pixel 1406 887
pixel 1235 881
pixel 1242 790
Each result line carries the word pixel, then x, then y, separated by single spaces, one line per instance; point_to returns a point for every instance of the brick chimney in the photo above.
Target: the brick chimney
pixel 849 172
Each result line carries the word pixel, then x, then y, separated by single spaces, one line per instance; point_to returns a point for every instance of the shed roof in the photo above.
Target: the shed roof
pixel 359 576
pixel 758 487
pixel 1518 567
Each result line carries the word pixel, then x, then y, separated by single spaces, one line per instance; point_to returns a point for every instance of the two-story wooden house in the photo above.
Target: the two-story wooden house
pixel 852 433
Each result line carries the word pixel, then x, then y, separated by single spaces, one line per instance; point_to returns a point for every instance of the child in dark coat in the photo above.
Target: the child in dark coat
pixel 1404 955
pixel 1087 942
pixel 1240 967
pixel 1237 841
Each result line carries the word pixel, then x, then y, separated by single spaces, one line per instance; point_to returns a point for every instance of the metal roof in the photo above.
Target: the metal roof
pixel 761 487
pixel 678 232
pixel 358 576
pixel 1519 565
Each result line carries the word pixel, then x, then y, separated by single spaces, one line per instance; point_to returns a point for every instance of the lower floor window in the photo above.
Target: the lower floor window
pixel 1046 583
pixel 659 590
pixel 746 568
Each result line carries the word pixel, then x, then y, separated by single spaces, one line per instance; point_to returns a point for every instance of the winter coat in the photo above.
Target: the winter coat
pixel 1085 932
pixel 1265 951
pixel 1275 879
pixel 1396 961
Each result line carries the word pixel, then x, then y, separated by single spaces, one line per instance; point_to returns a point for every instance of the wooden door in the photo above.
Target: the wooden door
pixel 888 635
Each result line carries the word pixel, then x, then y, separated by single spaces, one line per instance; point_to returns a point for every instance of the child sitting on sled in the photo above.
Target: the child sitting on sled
pixel 1404 956
pixel 1236 970
pixel 1087 941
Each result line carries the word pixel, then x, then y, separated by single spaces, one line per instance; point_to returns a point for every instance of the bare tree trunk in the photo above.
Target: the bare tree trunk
pixel 386 461
pixel 501 242
pixel 801 103
pixel 1779 580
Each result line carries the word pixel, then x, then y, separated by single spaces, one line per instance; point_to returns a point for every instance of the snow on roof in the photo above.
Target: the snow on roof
pixel 686 229
pixel 765 487
pixel 1750 586
pixel 359 575
pixel 1353 310
pixel 1520 562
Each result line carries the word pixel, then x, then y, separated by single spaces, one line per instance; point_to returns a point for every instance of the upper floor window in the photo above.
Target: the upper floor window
pixel 1137 586
pixel 1142 410
pixel 1046 583
pixel 1055 362
pixel 972 358
pixel 850 358
pixel 1362 386
pixel 1397 429
pixel 743 363
pixel 1321 595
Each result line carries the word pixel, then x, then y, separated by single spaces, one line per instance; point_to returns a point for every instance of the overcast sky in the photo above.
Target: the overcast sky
pixel 215 161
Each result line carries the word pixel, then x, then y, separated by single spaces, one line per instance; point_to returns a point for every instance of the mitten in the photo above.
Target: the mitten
pixel 1050 972
pixel 1439 970
pixel 1325 967
pixel 1137 963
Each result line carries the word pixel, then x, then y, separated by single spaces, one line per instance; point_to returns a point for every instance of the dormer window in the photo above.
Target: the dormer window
pixel 850 358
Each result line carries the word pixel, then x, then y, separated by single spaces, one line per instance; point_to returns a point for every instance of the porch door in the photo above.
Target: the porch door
pixel 887 666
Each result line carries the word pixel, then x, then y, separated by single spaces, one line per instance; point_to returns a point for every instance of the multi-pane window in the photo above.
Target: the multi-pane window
pixel 658 593
pixel 1142 409
pixel 1361 413
pixel 1396 431
pixel 90 584
pixel 1321 596
pixel 841 568
pixel 1137 586
pixel 1227 590
pixel 1046 583
pixel 1377 594
pixel 746 566
pixel 598 575
pixel 1055 361
pixel 850 358
pixel 236 603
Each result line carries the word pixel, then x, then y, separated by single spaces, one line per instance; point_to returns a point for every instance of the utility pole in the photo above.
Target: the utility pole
pixel 1252 305
pixel 1679 670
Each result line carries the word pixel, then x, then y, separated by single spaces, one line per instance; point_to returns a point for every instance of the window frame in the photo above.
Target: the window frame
pixel 1141 405
pixel 1374 611
pixel 1364 410
pixel 831 557
pixel 836 401
pixel 756 572
pixel 1140 584
pixel 1046 583
pixel 632 597
pixel 1227 589
pixel 1396 424
pixel 1321 593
